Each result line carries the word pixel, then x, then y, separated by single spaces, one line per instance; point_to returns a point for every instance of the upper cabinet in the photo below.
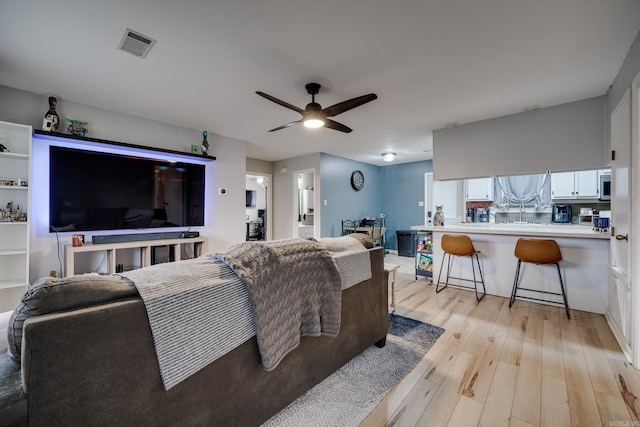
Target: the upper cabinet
pixel 479 189
pixel 575 185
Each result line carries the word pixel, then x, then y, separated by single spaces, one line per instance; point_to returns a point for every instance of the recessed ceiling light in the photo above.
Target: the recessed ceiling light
pixel 389 157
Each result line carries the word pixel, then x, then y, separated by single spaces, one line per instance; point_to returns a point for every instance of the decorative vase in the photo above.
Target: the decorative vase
pixel 51 121
pixel 205 144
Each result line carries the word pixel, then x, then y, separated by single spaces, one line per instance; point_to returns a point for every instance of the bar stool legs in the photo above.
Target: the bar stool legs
pixel 464 252
pixel 538 252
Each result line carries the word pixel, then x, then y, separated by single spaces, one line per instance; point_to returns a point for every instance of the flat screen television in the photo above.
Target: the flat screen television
pixel 90 190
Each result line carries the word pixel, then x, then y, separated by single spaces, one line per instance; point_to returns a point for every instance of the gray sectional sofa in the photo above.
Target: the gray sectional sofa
pixel 96 365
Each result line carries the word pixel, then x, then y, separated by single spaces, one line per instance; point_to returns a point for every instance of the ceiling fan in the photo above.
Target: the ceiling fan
pixel 314 116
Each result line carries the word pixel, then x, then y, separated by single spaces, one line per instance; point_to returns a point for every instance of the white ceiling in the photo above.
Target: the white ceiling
pixel 431 62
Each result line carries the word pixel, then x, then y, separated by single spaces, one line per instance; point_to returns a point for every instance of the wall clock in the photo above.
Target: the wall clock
pixel 357 180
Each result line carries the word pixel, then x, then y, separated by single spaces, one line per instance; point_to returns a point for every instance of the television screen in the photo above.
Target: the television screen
pixel 250 199
pixel 90 190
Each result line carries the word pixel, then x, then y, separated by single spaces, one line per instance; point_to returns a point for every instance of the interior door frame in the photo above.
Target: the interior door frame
pixel 635 220
pixel 316 201
pixel 269 207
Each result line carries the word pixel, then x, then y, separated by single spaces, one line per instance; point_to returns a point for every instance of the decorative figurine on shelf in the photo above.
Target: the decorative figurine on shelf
pixel 438 218
pixel 77 128
pixel 3 148
pixel 11 214
pixel 51 121
pixel 205 144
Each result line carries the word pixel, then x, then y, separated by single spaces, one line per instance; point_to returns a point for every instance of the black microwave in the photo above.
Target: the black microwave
pixel 605 187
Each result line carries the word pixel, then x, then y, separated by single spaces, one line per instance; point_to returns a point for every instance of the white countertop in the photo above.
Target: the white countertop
pixel 540 230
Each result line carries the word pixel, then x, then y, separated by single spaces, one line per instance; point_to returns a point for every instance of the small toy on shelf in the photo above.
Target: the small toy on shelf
pixel 205 144
pixel 3 148
pixel 77 128
pixel 11 214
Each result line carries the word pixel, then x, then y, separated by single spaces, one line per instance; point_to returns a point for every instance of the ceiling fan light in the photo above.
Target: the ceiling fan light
pixel 389 157
pixel 313 123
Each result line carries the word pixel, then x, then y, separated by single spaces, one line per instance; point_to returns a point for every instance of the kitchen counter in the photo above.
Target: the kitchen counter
pixel 535 230
pixel 585 265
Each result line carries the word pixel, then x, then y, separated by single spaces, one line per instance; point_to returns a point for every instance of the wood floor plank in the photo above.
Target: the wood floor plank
pixel 554 407
pixel 607 339
pixel 552 355
pixel 478 385
pixel 582 402
pixel 446 398
pixel 613 410
pixel 526 402
pixel 467 413
pixel 602 378
pixel 629 385
pixel 512 350
pixel 514 422
pixel 497 407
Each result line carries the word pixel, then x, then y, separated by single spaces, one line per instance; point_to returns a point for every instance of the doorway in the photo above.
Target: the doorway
pixel 258 206
pixel 305 215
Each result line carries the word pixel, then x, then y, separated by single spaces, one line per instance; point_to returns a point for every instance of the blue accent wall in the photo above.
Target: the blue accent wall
pixel 394 190
pixel 401 188
pixel 343 202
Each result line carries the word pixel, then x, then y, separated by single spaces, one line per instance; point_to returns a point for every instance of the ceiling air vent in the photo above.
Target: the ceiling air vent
pixel 135 43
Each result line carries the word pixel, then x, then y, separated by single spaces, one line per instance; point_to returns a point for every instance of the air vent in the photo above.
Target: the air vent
pixel 135 43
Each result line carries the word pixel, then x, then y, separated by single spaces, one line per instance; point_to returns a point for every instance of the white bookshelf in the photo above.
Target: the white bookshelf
pixel 14 235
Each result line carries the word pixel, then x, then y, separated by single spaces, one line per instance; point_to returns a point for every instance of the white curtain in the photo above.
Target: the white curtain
pixel 516 191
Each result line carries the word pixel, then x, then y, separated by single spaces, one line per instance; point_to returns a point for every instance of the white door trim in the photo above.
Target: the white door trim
pixel 269 209
pixel 635 220
pixel 316 201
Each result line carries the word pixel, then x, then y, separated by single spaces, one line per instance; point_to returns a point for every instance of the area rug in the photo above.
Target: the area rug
pixel 353 391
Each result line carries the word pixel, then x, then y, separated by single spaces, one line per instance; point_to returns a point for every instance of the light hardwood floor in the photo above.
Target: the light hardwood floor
pixel 523 366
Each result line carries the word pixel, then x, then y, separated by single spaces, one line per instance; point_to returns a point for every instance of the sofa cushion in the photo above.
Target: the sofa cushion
pixel 51 294
pixel 363 238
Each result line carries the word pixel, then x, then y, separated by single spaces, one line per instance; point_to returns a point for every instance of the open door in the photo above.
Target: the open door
pixel 619 311
pixel 258 206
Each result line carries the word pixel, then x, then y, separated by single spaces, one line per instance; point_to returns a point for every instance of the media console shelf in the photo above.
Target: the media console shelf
pixel 199 246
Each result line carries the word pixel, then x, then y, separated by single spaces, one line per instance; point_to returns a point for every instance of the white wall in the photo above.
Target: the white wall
pixel 283 190
pixel 224 214
pixel 560 138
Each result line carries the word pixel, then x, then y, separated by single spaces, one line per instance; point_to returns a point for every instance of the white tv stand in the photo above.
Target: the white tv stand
pixel 199 246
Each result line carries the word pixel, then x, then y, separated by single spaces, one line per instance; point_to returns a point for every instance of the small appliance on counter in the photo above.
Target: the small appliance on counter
pixel 471 215
pixel 482 215
pixel 561 214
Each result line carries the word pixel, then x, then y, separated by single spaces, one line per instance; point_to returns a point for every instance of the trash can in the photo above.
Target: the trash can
pixel 406 242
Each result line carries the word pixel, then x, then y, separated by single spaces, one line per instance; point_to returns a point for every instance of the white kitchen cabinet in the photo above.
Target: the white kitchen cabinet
pixel 479 189
pixel 575 185
pixel 15 167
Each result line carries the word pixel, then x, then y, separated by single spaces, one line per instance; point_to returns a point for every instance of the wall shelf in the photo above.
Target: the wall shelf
pixel 103 142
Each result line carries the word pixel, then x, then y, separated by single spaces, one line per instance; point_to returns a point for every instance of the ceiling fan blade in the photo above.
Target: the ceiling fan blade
pixel 332 124
pixel 287 125
pixel 347 105
pixel 280 102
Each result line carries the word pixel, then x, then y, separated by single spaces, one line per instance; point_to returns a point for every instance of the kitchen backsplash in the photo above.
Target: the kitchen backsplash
pixel 543 217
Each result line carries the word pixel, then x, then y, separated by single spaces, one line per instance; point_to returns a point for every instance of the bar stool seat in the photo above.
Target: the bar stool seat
pixel 541 252
pixel 460 245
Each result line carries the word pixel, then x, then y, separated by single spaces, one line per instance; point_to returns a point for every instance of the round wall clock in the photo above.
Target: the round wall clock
pixel 357 180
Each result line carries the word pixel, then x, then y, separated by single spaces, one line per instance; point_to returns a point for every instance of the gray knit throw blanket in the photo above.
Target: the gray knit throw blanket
pixel 295 290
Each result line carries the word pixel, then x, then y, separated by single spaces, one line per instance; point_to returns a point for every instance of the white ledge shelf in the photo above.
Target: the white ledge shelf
pixel 14 155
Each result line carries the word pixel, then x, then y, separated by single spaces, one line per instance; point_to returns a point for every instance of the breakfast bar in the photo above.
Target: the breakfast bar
pixel 584 267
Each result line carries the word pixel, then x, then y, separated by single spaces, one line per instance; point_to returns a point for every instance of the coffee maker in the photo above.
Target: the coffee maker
pixel 561 214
